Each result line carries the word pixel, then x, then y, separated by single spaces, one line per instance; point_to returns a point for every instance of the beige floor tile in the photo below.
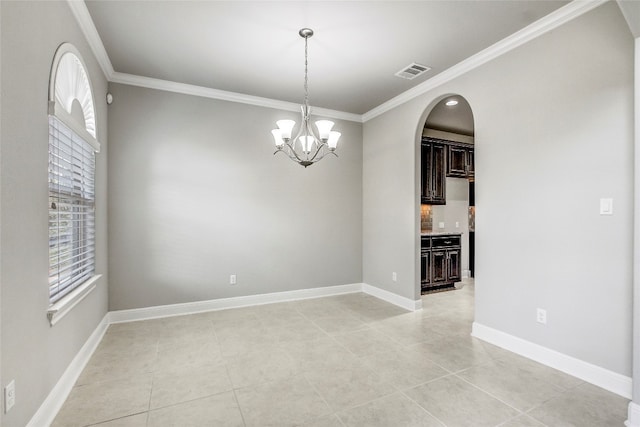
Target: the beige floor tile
pixel 106 365
pixel 356 350
pixel 104 401
pixel 454 353
pixel 541 371
pixel 123 338
pixel 277 314
pixel 219 410
pixel 522 421
pixel 320 307
pixel 409 333
pixel 366 341
pixel 263 366
pixel 449 325
pixel 399 320
pixel 403 368
pixel 187 355
pixel 492 350
pixel 181 386
pixel 327 421
pixel 339 324
pixel 324 353
pixel 374 310
pixel 583 406
pixel 231 317
pixel 281 403
pixel 178 336
pixel 236 341
pixel 513 383
pixel 392 410
pixel 348 384
pixel 297 329
pixel 139 420
pixel 150 327
pixel 457 403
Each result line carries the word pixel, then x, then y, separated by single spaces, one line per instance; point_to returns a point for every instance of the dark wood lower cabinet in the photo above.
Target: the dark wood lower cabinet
pixel 440 261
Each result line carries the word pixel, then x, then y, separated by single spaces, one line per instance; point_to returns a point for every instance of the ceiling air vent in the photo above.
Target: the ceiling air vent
pixel 412 71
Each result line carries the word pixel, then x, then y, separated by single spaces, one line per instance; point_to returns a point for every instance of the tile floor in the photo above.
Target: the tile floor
pixel 349 360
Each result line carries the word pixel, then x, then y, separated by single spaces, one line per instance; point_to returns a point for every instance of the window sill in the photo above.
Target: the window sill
pixel 58 310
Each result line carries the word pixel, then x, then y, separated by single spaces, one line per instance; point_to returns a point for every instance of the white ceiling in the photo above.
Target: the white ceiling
pixel 253 47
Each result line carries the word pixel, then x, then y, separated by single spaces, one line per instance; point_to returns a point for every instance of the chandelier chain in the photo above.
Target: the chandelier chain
pixel 306 74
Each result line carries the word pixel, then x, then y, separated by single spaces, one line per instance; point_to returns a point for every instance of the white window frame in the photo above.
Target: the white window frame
pixel 71 179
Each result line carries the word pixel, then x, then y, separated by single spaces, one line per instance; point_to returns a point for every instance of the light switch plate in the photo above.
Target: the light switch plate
pixel 606 206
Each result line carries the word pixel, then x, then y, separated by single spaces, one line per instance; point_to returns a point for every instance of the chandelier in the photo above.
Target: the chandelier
pixel 307 147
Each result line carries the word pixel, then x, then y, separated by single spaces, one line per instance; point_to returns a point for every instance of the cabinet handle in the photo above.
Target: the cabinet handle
pixel 447 242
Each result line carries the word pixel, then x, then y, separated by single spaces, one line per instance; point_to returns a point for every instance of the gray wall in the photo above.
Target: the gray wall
pixel 33 353
pixel 195 195
pixel 554 133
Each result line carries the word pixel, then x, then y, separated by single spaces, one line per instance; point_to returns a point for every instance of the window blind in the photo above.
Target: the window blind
pixel 71 210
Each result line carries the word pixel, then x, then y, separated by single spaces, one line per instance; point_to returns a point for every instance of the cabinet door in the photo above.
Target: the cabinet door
pixel 438 266
pixel 425 268
pixel 453 265
pixel 438 174
pixel 425 161
pixel 457 161
pixel 470 162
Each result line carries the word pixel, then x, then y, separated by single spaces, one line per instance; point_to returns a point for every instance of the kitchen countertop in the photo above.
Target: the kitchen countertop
pixel 439 233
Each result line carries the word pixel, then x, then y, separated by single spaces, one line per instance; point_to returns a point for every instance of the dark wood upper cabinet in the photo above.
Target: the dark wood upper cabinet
pixel 471 168
pixel 460 160
pixel 433 160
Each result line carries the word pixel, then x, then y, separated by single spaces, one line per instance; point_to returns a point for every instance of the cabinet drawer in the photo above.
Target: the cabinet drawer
pixel 445 241
pixel 426 243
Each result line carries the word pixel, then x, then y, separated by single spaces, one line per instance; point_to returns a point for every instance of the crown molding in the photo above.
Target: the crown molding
pixel 553 20
pixel 81 13
pixel 205 92
pixel 631 12
pixel 530 32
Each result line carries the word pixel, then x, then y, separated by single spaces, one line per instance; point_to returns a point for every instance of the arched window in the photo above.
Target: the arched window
pixel 72 148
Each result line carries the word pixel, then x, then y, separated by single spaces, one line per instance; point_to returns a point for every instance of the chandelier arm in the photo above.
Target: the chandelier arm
pixel 320 146
pixel 291 150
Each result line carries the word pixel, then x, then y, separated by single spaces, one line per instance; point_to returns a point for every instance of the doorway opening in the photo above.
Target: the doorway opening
pixel 447 196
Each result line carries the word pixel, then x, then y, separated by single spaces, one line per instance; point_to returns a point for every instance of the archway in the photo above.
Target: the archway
pixel 446 185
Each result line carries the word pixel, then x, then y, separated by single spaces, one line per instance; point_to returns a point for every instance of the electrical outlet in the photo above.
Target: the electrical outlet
pixel 457 224
pixel 441 225
pixel 232 279
pixel 541 316
pixel 394 276
pixel 9 396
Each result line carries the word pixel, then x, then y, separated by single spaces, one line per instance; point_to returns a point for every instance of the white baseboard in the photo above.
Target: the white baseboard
pixel 392 298
pixel 225 303
pixel 633 419
pixel 604 378
pixel 54 401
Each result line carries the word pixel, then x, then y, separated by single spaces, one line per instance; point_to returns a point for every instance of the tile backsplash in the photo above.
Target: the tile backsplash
pixel 426 218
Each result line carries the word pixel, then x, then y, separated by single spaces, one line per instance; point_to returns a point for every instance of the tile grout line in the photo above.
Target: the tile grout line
pixel 488 393
pixel 422 407
pixel 235 396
